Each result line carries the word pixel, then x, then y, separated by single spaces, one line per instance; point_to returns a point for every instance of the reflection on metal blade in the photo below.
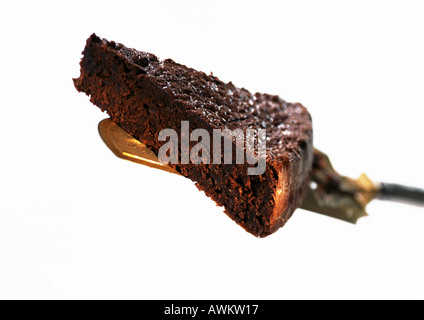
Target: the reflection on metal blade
pixel 126 147
pixel 330 194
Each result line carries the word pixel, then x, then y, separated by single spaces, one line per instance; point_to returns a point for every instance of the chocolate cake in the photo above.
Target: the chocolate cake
pixel 145 95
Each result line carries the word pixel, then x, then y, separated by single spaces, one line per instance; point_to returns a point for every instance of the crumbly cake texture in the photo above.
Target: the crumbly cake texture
pixel 145 95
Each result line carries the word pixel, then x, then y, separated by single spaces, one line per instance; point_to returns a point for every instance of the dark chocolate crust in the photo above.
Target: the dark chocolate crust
pixel 145 95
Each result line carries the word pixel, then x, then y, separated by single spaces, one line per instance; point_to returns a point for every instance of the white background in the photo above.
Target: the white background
pixel 76 222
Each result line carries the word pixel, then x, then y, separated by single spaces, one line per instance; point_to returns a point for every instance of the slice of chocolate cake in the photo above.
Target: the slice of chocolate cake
pixel 145 95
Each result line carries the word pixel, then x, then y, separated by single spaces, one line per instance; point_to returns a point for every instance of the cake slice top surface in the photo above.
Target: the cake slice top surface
pixel 223 105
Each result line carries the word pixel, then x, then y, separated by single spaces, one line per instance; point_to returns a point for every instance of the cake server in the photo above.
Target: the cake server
pixel 329 193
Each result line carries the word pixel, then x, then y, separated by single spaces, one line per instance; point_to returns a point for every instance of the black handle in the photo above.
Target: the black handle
pixel 396 192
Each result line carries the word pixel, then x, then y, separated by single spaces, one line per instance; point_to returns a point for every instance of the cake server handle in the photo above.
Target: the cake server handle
pixel 400 193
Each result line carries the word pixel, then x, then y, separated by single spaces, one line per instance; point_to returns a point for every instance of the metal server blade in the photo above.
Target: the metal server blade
pixel 330 193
